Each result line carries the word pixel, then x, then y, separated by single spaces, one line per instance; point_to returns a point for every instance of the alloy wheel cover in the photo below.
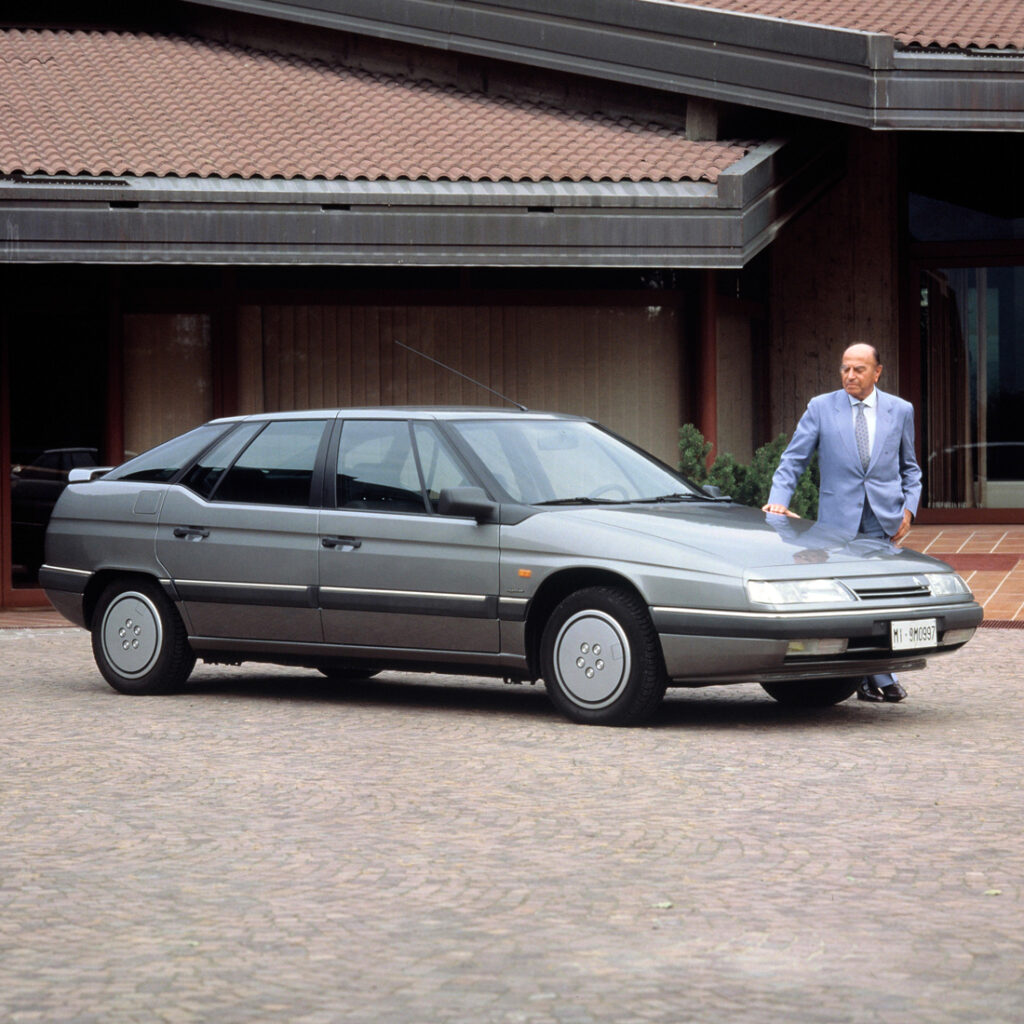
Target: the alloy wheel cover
pixel 592 659
pixel 132 634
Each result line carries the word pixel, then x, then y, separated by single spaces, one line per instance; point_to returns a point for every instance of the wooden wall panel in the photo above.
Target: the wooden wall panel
pixel 249 364
pixel 619 364
pixel 835 281
pixel 735 374
pixel 168 373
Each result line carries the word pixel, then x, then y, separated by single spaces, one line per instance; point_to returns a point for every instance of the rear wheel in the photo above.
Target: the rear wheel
pixel 601 658
pixel 812 693
pixel 138 639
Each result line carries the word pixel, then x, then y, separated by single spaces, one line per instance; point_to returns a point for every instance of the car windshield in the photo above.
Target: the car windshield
pixel 568 462
pixel 162 462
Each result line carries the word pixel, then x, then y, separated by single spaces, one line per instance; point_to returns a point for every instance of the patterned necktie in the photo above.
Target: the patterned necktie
pixel 860 431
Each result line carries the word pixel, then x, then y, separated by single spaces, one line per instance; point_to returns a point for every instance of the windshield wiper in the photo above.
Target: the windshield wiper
pixel 678 496
pixel 581 501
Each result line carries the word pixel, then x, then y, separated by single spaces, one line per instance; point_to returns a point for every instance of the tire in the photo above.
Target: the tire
pixel 601 658
pixel 812 693
pixel 138 639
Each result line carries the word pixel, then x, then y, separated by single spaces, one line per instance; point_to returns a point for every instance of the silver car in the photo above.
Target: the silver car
pixel 522 545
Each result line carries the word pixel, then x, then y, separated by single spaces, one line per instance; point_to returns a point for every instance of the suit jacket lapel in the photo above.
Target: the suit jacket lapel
pixel 844 424
pixel 883 424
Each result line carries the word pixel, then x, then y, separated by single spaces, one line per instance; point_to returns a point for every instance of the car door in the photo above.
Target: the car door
pixel 394 573
pixel 238 535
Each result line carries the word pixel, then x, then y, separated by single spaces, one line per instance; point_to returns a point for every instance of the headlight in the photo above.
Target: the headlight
pixel 797 592
pixel 945 584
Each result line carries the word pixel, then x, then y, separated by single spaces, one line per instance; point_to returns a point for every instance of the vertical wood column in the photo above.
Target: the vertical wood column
pixel 707 363
pixel 113 442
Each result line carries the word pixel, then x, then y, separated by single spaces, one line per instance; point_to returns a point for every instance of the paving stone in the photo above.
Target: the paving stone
pixel 269 846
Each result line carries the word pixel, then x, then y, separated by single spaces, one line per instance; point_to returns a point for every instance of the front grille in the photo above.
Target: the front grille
pixel 889 591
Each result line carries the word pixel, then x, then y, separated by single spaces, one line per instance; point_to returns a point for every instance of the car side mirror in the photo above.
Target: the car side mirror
pixel 470 502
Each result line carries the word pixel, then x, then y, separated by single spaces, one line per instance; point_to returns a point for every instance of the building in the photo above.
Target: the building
pixel 648 212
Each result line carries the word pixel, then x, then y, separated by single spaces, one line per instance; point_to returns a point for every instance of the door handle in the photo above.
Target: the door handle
pixel 345 543
pixel 191 532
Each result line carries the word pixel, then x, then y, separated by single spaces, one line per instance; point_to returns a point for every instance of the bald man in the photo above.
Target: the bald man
pixel 870 479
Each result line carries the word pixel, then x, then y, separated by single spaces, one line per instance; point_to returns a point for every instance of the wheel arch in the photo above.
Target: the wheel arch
pixel 555 589
pixel 95 587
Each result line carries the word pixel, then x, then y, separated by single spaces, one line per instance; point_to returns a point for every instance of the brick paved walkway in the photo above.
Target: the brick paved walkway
pixel 990 559
pixel 266 848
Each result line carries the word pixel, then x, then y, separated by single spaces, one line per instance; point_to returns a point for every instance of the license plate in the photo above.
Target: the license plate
pixel 911 633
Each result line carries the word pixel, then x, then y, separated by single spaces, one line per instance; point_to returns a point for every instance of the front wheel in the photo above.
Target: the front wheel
pixel 139 641
pixel 601 658
pixel 812 693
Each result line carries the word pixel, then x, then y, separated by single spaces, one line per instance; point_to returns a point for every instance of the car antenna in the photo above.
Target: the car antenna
pixel 459 373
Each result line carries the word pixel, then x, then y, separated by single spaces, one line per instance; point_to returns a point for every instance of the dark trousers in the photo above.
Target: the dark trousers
pixel 871 527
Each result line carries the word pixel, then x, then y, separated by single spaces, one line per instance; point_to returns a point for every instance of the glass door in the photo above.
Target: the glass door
pixel 972 335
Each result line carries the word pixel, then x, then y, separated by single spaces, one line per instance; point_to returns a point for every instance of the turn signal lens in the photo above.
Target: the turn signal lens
pixel 820 647
pixel 956 636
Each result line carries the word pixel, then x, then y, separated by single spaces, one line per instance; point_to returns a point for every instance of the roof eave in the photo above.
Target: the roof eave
pixel 415 223
pixel 834 74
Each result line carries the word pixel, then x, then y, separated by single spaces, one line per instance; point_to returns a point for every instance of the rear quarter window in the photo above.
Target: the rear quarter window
pixel 166 460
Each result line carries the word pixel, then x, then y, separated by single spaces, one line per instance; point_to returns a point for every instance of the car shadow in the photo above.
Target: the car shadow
pixel 385 690
pixel 719 706
pixel 744 706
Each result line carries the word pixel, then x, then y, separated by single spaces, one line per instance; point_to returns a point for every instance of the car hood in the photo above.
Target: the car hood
pixel 743 539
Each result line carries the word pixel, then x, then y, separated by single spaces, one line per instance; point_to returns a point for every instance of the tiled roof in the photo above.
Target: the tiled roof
pixel 94 103
pixel 946 24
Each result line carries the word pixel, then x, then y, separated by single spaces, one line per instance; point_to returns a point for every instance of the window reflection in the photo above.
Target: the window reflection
pixel 972 324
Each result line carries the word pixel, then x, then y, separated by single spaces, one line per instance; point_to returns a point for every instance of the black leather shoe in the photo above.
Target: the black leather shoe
pixel 893 693
pixel 868 691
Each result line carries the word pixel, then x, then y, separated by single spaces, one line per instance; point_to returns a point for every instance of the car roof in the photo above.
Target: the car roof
pixel 418 412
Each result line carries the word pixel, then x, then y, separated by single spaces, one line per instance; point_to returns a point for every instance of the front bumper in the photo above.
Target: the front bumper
pixel 723 646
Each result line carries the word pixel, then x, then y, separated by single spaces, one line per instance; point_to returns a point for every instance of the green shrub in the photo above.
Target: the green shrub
pixel 693 454
pixel 749 485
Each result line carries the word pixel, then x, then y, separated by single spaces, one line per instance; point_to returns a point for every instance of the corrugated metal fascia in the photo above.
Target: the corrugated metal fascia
pixel 739 58
pixel 545 24
pixel 235 221
pixel 954 91
pixel 402 193
pixel 817 71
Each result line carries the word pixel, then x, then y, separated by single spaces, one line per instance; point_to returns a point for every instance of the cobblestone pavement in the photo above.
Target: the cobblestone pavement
pixel 269 847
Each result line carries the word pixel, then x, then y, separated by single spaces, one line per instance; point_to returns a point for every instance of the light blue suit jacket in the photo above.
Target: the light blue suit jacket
pixel 892 481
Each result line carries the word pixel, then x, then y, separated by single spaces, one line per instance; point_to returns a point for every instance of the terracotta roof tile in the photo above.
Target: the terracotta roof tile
pixel 947 24
pixel 96 103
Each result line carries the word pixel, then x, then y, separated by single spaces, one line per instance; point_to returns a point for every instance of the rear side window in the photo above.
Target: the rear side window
pixel 276 468
pixel 164 461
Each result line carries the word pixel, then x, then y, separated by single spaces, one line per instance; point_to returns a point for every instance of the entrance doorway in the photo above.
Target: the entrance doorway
pixel 54 362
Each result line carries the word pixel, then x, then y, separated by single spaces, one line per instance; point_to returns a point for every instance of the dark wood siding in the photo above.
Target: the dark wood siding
pixel 835 281
pixel 617 363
